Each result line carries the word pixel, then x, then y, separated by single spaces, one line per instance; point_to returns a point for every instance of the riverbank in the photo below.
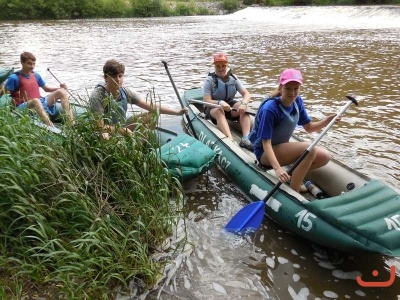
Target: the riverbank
pixel 69 9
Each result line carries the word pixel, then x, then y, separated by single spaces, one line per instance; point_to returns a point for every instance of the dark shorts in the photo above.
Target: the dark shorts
pixel 228 114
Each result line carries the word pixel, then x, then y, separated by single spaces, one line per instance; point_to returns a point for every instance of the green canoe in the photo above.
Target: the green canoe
pixel 184 156
pixel 359 214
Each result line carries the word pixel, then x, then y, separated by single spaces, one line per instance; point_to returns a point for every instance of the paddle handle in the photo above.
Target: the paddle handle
pixel 341 112
pixel 179 98
pixel 312 145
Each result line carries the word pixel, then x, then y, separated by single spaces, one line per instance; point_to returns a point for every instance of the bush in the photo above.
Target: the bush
pixel 230 5
pixel 80 213
pixel 147 8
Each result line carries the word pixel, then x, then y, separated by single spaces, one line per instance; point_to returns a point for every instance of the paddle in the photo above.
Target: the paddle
pixel 179 97
pixel 48 69
pixel 215 105
pixel 251 215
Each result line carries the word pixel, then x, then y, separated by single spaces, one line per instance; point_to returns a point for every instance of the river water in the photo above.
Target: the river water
pixel 340 50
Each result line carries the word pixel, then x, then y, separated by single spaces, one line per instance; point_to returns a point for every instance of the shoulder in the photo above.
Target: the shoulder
pixel 208 81
pixel 270 107
pixel 39 78
pixel 97 92
pixel 12 82
pixel 131 96
pixel 300 102
pixel 270 103
pixel 230 73
pixel 211 76
pixel 13 76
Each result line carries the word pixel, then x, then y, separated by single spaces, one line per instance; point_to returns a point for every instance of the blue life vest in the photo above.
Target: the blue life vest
pixel 223 90
pixel 282 131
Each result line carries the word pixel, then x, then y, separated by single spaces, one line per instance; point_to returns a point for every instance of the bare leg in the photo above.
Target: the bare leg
pixel 288 153
pixel 36 104
pixel 244 119
pixel 219 115
pixel 63 96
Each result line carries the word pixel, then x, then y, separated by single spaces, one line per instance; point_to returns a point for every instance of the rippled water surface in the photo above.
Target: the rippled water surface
pixel 340 50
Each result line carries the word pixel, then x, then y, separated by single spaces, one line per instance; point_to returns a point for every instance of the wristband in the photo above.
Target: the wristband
pixel 219 102
pixel 243 103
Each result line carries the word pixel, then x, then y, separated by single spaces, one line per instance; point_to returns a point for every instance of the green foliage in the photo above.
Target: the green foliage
pixel 183 9
pixel 203 11
pixel 147 8
pixel 230 5
pixel 80 212
pixel 74 9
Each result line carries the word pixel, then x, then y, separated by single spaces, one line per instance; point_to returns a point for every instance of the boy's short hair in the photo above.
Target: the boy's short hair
pixel 27 55
pixel 113 67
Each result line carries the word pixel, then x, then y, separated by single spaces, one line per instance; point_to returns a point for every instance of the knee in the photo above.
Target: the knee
pixel 218 114
pixel 62 93
pixel 35 103
pixel 322 156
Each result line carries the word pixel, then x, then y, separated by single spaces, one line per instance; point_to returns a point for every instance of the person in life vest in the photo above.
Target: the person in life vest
pixel 24 87
pixel 274 124
pixel 220 87
pixel 109 102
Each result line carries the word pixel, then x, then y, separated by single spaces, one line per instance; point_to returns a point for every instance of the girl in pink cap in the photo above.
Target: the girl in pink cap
pixel 275 122
pixel 220 87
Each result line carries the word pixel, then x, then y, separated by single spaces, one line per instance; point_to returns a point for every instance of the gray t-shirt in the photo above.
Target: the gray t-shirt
pixel 102 103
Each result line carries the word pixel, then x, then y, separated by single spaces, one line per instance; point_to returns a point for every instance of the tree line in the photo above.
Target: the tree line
pixel 81 9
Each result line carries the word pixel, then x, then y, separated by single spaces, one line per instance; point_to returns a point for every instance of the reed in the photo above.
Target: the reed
pixel 81 214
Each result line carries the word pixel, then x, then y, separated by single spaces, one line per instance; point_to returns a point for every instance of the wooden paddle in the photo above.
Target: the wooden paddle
pixel 216 105
pixel 179 98
pixel 250 216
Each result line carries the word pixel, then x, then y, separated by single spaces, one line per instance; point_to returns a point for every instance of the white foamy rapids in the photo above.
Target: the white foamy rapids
pixel 350 17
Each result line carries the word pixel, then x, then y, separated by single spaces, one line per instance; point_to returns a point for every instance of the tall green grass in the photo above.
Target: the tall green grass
pixel 80 213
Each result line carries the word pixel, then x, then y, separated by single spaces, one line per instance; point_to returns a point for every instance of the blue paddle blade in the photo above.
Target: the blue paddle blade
pixel 249 217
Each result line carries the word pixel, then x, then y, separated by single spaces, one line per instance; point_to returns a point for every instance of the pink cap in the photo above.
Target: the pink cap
pixel 290 75
pixel 220 57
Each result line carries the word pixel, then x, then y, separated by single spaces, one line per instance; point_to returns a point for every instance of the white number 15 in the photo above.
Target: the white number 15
pixel 304 222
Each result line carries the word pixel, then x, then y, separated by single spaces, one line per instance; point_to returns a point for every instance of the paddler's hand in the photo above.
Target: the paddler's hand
pixel 330 118
pixel 282 175
pixel 225 106
pixel 184 110
pixel 242 107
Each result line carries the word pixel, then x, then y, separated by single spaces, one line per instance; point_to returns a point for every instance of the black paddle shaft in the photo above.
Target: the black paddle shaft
pixel 48 69
pixel 312 145
pixel 179 98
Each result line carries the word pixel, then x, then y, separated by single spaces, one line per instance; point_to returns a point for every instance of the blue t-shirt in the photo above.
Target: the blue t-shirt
pixel 12 83
pixel 270 116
